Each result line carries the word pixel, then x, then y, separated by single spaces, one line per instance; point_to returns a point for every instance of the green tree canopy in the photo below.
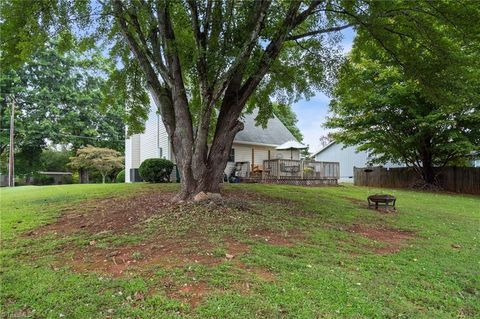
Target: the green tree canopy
pixel 60 100
pixel 289 119
pixel 382 110
pixel 102 160
pixel 204 61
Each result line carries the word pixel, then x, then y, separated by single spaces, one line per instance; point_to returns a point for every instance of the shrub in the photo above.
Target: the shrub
pixel 308 171
pixel 75 177
pixel 120 177
pixel 67 179
pixel 39 179
pixel 156 170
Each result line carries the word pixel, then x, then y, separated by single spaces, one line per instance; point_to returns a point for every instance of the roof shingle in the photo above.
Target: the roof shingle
pixel 274 134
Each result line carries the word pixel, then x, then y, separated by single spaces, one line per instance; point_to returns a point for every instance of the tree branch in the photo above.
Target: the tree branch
pixel 257 23
pixel 151 76
pixel 316 32
pixel 144 45
pixel 200 40
pixel 272 50
pixel 184 129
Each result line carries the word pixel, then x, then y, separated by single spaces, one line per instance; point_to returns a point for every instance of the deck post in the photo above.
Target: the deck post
pixel 301 169
pixel 253 159
pixel 278 168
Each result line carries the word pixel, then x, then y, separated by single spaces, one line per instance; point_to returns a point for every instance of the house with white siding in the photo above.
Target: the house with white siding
pixel 253 144
pixel 348 157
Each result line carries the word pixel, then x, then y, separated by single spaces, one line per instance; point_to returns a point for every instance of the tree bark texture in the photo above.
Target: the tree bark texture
pixel 201 164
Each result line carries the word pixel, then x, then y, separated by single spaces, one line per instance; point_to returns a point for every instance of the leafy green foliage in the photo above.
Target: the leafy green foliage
pixel 25 28
pixel 55 161
pixel 156 170
pixel 435 44
pixel 120 178
pixel 126 87
pixel 57 100
pixel 288 118
pixel 28 161
pixel 39 179
pixel 102 160
pixel 379 108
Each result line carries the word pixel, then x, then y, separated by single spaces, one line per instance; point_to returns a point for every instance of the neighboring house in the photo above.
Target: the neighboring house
pixel 348 157
pixel 475 160
pixel 475 163
pixel 253 145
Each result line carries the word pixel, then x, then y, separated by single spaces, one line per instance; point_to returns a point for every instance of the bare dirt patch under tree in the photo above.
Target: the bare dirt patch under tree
pixel 141 233
pixel 248 255
pixel 392 240
pixel 122 236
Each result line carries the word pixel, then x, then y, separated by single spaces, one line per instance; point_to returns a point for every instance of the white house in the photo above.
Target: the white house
pixel 253 145
pixel 475 160
pixel 348 157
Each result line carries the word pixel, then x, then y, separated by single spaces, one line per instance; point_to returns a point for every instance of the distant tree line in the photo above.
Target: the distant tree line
pixel 60 107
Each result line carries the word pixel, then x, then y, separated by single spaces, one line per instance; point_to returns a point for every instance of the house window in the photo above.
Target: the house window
pixel 231 157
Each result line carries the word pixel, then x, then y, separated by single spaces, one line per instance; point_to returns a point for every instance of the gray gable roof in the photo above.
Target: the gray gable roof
pixel 325 147
pixel 274 134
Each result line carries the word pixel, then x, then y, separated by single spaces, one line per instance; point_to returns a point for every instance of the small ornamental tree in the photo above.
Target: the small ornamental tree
pixel 103 160
pixel 156 170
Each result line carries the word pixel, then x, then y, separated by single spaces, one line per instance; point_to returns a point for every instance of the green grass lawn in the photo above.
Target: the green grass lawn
pixel 267 251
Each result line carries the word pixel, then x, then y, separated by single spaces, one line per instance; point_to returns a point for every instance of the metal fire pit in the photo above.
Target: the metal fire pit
pixel 384 200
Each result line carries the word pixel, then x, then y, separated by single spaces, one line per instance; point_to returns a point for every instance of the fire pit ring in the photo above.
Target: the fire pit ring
pixel 385 200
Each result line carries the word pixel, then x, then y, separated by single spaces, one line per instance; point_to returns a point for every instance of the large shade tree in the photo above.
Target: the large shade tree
pixel 380 111
pixel 204 61
pixel 412 102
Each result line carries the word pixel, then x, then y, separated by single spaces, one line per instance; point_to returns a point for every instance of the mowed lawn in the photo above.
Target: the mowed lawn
pixel 266 251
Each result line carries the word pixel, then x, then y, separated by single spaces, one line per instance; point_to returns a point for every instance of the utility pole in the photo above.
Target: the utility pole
pixel 11 166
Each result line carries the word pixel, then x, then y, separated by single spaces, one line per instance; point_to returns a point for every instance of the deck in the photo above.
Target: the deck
pixel 286 171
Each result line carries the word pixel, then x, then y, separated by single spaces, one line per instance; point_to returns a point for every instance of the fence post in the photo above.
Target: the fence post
pixel 278 168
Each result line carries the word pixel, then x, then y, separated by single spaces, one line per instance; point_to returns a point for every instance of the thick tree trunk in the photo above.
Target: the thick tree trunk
pixel 206 180
pixel 429 175
pixel 201 168
pixel 205 176
pixel 427 170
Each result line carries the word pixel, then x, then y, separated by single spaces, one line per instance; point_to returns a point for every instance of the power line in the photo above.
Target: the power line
pixel 78 136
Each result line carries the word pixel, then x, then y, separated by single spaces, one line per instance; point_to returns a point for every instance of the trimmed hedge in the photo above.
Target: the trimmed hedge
pixel 120 178
pixel 156 170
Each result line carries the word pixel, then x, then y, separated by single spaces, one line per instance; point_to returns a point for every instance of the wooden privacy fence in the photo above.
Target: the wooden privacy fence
pixel 454 179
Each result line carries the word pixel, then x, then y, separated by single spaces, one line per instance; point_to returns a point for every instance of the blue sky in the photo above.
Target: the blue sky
pixel 311 114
